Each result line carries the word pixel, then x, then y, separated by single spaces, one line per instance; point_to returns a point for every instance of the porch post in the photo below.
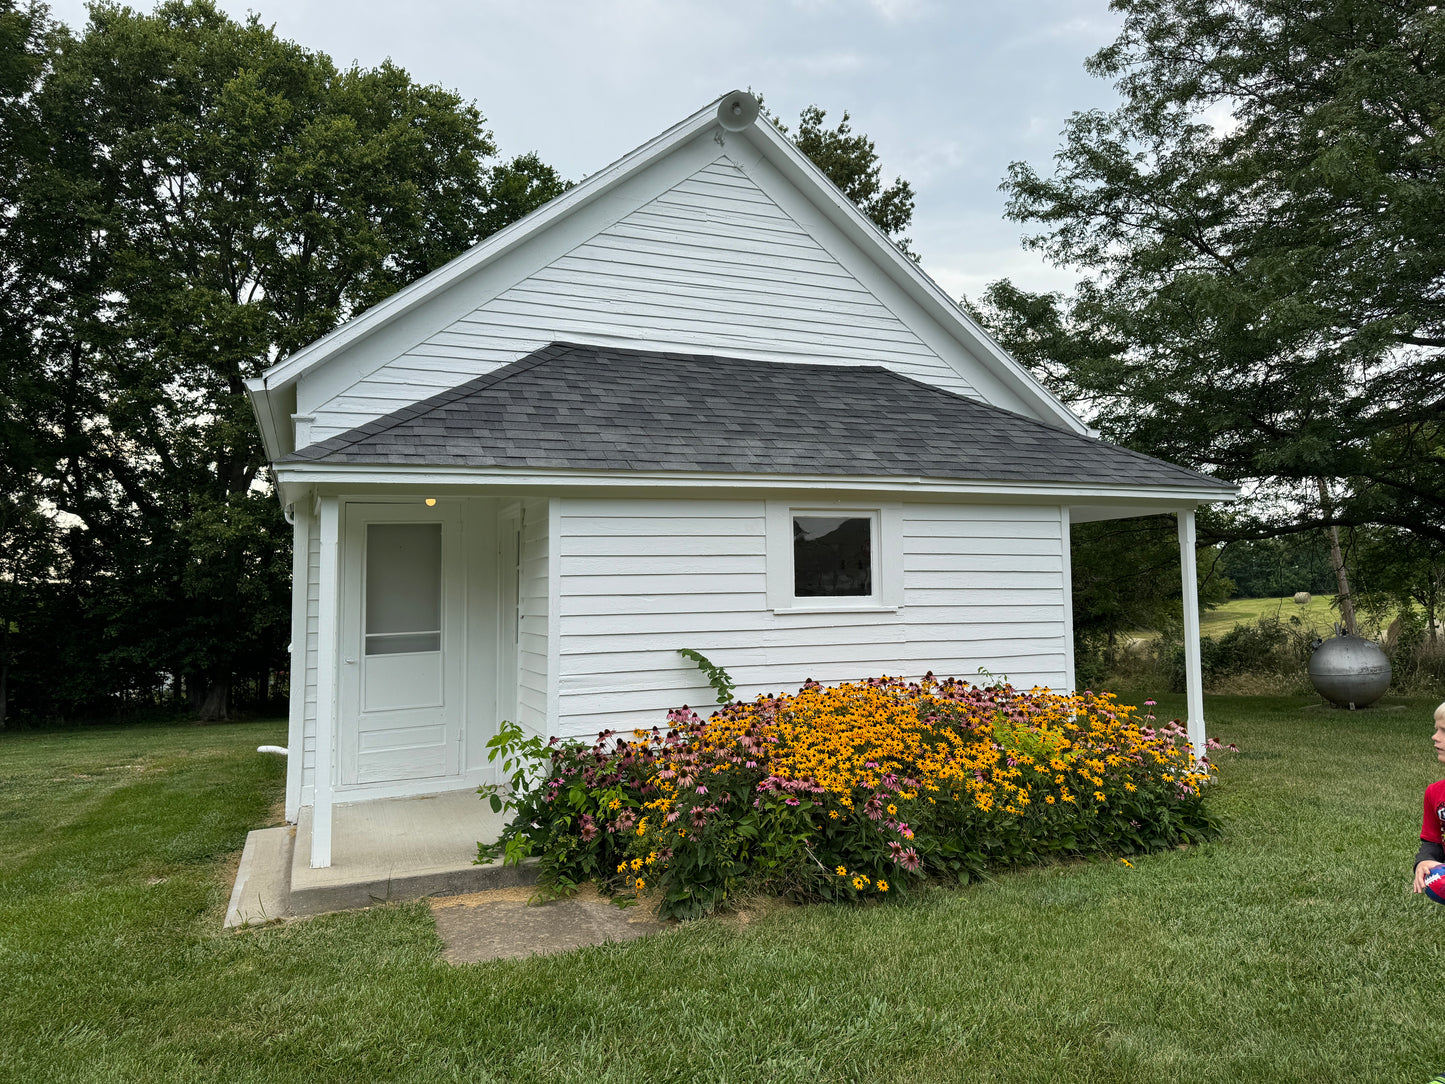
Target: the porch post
pixel 1193 668
pixel 1070 681
pixel 327 665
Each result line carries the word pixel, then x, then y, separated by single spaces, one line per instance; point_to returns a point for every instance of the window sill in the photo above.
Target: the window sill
pixel 867 608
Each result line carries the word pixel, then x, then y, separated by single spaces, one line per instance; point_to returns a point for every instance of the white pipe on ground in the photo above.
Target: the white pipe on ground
pixel 280 749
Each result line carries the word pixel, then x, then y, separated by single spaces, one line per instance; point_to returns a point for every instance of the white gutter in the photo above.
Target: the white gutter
pixel 333 474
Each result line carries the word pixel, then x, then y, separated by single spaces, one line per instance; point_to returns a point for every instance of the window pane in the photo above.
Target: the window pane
pixel 403 587
pixel 832 556
pixel 403 642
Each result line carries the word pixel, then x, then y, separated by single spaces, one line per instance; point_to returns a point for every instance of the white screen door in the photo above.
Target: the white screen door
pixel 402 645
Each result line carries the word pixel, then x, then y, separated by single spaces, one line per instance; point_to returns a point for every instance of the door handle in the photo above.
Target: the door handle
pixel 350 662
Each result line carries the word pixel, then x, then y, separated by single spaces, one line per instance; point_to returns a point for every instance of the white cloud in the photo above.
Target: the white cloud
pixel 928 164
pixel 944 90
pixel 900 10
pixel 825 65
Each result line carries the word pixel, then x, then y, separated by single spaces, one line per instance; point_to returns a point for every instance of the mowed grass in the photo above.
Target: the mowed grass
pixel 1247 611
pixel 1289 950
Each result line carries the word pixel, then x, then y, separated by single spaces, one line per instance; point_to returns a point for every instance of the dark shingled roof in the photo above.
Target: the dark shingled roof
pixel 603 408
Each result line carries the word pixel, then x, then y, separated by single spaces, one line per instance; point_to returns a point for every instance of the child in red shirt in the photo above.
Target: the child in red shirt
pixel 1432 849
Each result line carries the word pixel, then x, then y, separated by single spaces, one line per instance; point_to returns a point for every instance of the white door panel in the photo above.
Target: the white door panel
pixel 403 635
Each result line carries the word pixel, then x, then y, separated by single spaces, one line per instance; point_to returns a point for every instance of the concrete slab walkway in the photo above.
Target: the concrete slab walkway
pixel 500 924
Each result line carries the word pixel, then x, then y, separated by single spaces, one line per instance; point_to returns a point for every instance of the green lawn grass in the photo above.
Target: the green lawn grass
pixel 1289 950
pixel 1247 611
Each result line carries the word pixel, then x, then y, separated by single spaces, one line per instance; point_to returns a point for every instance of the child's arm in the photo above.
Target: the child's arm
pixel 1429 855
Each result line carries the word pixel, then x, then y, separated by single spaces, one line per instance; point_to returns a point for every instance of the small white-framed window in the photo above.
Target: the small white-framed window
pixel 823 558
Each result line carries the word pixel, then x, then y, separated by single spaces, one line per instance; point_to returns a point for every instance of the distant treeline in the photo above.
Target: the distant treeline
pixel 1272 567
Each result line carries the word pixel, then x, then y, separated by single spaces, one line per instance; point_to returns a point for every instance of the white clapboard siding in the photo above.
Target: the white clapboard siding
pixel 532 597
pixel 308 711
pixel 711 266
pixel 639 579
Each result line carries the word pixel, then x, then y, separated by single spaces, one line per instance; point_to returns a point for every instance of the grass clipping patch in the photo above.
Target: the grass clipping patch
pixel 856 792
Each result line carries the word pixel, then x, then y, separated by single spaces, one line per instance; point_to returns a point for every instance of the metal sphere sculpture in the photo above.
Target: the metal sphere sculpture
pixel 1350 671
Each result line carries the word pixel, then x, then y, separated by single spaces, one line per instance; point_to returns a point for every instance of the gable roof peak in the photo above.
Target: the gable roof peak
pixel 745 137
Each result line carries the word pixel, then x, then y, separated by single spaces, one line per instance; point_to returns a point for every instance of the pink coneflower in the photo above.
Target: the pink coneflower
pixel 588 828
pixel 701 789
pixel 895 850
pixel 699 818
pixel 790 801
pixel 910 861
pixel 873 808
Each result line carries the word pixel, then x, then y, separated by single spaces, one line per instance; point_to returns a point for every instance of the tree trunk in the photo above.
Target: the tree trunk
pixel 1337 562
pixel 216 703
pixel 4 680
pixel 195 691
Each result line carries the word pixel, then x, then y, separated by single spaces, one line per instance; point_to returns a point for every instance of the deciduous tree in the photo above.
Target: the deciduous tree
pixel 213 198
pixel 1259 221
pixel 850 160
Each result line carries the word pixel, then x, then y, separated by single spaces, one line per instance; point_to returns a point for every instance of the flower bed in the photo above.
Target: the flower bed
pixel 852 792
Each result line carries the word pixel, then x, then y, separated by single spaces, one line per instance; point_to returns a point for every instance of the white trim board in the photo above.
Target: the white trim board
pixel 1141 500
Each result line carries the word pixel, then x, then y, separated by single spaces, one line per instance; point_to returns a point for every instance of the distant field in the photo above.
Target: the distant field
pixel 1246 611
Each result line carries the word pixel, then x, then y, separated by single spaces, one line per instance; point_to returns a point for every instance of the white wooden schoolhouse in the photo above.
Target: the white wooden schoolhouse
pixel 698 401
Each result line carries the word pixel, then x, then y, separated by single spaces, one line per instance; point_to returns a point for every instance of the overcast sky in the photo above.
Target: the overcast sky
pixel 950 92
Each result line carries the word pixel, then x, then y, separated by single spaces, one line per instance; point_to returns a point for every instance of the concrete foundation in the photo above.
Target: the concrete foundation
pixel 390 849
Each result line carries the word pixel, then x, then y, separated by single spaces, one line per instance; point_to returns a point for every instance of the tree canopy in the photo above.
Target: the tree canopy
pixel 189 198
pixel 1259 226
pixel 850 160
pixel 199 198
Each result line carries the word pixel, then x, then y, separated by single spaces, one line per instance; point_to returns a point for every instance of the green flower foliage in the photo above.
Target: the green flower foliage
pixel 849 793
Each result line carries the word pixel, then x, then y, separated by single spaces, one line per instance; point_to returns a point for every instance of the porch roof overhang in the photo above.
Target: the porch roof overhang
pixel 1090 501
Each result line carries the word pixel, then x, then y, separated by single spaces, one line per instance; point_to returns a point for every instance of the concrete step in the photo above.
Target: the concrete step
pixel 401 849
pixel 262 890
pixel 316 891
pixel 382 850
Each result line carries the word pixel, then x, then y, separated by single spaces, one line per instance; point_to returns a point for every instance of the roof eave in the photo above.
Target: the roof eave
pixel 471 477
pixel 273 410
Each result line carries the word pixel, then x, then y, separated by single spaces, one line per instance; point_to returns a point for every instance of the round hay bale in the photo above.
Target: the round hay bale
pixel 1302 598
